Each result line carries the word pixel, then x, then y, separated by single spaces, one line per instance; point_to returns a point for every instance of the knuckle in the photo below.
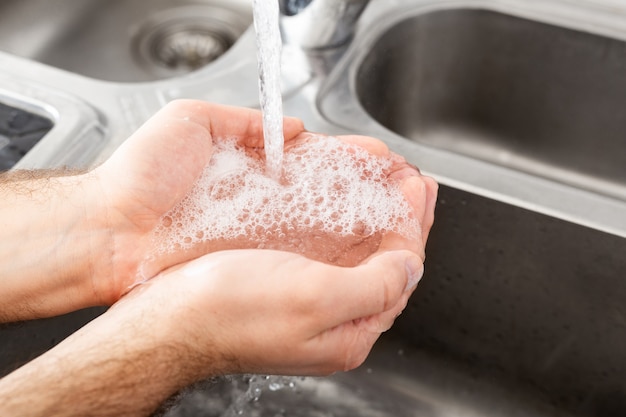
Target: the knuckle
pixel 355 360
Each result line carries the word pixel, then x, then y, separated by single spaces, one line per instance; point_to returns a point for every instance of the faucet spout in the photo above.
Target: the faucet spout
pixel 319 24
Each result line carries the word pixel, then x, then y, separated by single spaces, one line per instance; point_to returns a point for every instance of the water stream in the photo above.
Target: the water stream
pixel 269 47
pixel 269 51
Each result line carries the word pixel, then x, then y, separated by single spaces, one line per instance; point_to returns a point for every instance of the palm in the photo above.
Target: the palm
pixel 159 165
pixel 256 224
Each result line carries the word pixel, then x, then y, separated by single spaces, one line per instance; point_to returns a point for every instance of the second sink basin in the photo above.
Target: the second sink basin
pixel 519 93
pixel 123 40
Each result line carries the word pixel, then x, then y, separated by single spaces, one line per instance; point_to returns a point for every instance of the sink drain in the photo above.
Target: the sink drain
pixel 180 40
pixel 189 48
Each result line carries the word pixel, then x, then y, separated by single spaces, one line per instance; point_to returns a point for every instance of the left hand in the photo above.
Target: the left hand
pixel 151 172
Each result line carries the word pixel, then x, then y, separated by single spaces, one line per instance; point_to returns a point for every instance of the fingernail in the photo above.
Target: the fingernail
pixel 414 270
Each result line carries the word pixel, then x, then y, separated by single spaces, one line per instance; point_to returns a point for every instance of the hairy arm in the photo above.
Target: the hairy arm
pixel 51 227
pixel 114 366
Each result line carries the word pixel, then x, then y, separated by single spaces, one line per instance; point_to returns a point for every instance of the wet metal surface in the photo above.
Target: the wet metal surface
pixel 535 97
pixel 122 40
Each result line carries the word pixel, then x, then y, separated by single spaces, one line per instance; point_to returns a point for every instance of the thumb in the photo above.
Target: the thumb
pixel 375 286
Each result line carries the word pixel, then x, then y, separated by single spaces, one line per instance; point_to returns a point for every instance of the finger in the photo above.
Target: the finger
pixel 414 191
pixel 244 124
pixel 401 168
pixel 421 194
pixel 384 321
pixel 347 345
pixel 342 348
pixel 429 212
pixel 372 145
pixel 370 288
pixel 150 150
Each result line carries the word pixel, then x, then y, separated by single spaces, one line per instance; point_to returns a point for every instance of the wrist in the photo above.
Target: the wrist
pixel 55 249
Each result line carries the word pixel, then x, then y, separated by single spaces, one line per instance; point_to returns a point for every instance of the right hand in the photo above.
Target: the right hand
pixel 263 311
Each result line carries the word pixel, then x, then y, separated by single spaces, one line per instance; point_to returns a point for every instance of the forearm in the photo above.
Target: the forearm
pixel 121 364
pixel 48 237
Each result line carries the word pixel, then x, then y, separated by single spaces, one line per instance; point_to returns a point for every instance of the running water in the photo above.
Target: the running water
pixel 269 52
pixel 269 48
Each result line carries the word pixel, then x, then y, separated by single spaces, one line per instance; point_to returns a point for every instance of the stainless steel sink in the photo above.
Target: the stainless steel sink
pixel 515 106
pixel 531 96
pixel 123 40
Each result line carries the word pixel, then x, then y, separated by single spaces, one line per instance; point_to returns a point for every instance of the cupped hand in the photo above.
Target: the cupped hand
pixel 152 171
pixel 275 312
pixel 158 166
pixel 335 202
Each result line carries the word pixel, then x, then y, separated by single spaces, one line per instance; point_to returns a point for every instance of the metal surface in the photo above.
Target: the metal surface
pixel 121 40
pixel 486 104
pixel 19 133
pixel 319 24
pixel 515 107
pixel 526 95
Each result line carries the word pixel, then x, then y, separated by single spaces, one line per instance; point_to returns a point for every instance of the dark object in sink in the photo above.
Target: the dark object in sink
pixel 20 131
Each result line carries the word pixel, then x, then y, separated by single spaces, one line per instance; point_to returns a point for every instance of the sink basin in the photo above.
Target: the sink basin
pixel 534 97
pixel 123 40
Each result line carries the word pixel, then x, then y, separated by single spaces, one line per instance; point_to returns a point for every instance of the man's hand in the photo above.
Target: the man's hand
pixel 157 167
pixel 89 237
pixel 228 312
pixel 73 240
pixel 153 170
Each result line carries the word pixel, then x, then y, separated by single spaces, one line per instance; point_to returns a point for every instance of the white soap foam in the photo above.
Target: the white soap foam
pixel 329 188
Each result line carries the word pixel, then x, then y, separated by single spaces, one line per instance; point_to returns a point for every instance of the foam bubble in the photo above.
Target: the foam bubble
pixel 334 203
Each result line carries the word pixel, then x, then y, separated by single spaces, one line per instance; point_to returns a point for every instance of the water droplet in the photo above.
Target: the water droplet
pixel 275 386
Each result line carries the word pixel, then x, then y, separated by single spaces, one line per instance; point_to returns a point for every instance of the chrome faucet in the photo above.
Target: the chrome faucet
pixel 319 24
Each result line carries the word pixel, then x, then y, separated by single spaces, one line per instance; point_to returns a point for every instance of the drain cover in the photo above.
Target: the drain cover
pixel 189 48
pixel 183 39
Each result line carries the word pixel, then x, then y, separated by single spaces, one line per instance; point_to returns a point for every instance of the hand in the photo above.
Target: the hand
pixel 159 165
pixel 87 234
pixel 275 312
pixel 265 311
pixel 94 239
pixel 253 212
pixel 228 312
pixel 151 172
